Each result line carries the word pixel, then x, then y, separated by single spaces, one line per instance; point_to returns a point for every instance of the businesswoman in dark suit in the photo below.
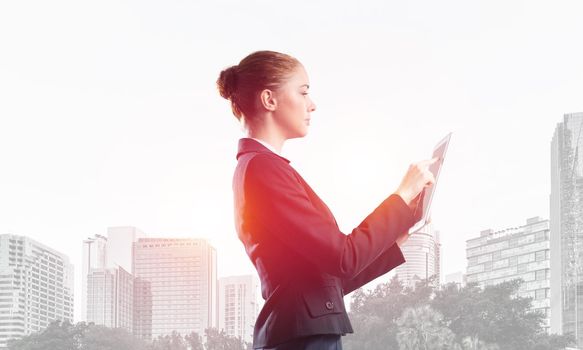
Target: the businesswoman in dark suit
pixel 306 265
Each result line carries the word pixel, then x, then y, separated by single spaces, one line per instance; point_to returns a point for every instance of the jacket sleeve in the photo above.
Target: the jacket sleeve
pixel 278 203
pixel 387 261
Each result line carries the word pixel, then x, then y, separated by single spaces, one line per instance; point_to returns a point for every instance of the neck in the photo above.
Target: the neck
pixel 270 138
pixel 267 132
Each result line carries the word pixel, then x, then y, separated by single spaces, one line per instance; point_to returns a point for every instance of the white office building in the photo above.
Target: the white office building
pixel 94 257
pixel 110 297
pixel 107 284
pixel 175 286
pixel 422 252
pixel 514 253
pixel 36 287
pixel 239 305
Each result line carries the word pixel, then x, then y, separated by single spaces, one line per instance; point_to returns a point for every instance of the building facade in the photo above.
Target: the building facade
pixel 107 284
pixel 120 240
pixel 566 206
pixel 238 305
pixel 110 297
pixel 514 253
pixel 175 286
pixel 94 257
pixel 422 252
pixel 36 287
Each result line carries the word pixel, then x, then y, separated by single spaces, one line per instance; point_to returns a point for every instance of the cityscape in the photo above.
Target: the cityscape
pixel 154 286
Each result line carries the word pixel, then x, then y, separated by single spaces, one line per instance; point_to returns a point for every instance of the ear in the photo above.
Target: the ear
pixel 267 99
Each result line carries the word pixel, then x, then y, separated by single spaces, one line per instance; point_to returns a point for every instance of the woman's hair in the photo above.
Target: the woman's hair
pixel 241 84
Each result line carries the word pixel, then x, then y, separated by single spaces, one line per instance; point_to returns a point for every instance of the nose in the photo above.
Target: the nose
pixel 312 106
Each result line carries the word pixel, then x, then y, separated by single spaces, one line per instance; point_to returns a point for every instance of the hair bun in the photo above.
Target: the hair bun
pixel 227 82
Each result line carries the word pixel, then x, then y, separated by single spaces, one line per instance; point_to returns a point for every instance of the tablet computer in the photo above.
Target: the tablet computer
pixel 422 211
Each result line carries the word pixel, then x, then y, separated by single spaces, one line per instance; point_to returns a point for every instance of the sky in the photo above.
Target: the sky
pixel 109 113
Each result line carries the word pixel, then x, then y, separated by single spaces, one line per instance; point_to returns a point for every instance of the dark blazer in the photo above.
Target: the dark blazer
pixel 306 265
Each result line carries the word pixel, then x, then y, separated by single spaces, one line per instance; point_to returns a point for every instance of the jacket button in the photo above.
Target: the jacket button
pixel 329 305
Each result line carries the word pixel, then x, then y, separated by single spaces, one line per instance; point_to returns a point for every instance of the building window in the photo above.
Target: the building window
pixel 540 294
pixel 541 236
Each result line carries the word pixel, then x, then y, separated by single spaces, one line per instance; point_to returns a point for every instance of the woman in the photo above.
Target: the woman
pixel 306 265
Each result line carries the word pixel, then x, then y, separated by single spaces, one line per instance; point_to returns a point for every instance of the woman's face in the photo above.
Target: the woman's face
pixel 294 105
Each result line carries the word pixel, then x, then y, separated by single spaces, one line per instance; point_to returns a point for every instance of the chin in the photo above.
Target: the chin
pixel 299 134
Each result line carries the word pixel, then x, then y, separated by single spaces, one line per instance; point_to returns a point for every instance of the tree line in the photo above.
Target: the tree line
pixel 62 335
pixel 391 316
pixel 431 317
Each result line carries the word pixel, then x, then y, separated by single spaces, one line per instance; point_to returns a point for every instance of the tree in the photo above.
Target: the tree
pixel 553 342
pixel 422 328
pixel 219 340
pixel 490 318
pixel 172 341
pixel 97 337
pixel 59 335
pixel 194 341
pixel 468 343
pixel 373 314
pixel 62 335
pixel 492 315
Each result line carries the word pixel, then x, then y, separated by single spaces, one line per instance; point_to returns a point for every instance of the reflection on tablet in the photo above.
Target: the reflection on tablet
pixel 422 211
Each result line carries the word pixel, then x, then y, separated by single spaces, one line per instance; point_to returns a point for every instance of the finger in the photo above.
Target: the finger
pixel 429 161
pixel 429 178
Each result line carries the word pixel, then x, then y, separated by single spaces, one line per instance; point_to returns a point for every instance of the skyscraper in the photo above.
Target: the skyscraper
pixel 120 240
pixel 94 257
pixel 110 297
pixel 566 204
pixel 36 287
pixel 423 257
pixel 107 285
pixel 514 253
pixel 175 286
pixel 238 305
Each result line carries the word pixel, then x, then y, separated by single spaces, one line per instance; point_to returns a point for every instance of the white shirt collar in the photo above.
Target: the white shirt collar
pixel 268 146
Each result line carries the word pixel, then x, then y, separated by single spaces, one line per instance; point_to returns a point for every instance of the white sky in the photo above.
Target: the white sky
pixel 109 114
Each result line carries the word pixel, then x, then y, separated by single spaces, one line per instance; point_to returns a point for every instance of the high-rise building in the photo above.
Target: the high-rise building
pixel 514 253
pixel 238 305
pixel 105 276
pixel 120 242
pixel 94 257
pixel 438 256
pixel 566 204
pixel 175 286
pixel 422 252
pixel 36 287
pixel 110 297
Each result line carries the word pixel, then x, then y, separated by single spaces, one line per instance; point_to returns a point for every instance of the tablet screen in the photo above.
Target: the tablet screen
pixel 421 213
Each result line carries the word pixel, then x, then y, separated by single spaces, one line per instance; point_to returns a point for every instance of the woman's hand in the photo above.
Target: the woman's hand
pixel 417 178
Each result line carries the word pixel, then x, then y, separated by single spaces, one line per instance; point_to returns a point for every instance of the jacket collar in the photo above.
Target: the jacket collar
pixel 247 145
